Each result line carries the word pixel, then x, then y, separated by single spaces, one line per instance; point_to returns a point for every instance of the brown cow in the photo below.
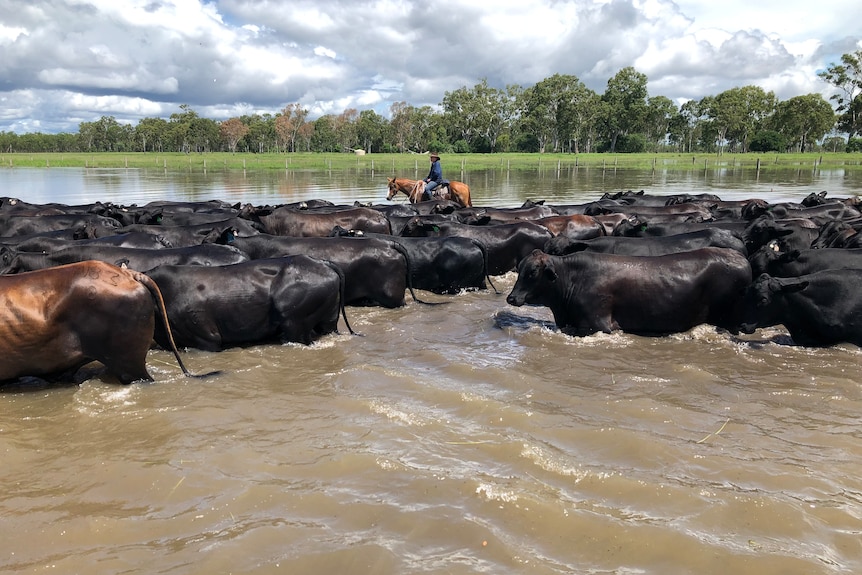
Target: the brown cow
pixel 55 321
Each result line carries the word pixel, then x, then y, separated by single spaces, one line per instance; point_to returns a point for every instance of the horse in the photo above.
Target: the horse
pixel 458 192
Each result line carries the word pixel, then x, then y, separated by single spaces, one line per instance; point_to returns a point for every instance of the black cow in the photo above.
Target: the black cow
pixel 589 292
pixel 771 260
pixel 819 309
pixel 138 259
pixel 508 215
pixel 440 265
pixel 290 299
pixel 838 234
pixel 124 240
pixel 672 212
pixel 190 235
pixel 648 246
pixel 638 227
pixel 17 225
pixel 791 234
pixel 822 212
pixel 506 244
pixel 375 271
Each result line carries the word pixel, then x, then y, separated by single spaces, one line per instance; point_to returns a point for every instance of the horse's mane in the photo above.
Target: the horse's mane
pixel 416 191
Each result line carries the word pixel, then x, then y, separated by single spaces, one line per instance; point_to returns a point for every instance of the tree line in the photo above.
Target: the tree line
pixel 557 114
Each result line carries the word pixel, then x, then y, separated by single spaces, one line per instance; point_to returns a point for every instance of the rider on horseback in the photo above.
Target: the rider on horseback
pixel 435 176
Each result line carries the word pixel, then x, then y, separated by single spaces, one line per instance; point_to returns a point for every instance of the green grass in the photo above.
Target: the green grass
pixel 396 163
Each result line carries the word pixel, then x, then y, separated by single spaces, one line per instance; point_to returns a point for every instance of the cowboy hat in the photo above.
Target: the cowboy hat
pixel 434 156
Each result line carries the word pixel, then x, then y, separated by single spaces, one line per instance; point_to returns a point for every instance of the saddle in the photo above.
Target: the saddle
pixel 441 192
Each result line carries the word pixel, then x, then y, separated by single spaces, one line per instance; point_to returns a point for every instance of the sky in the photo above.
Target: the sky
pixel 63 62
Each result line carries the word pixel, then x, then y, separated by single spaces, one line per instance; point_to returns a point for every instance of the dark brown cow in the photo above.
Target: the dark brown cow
pixel 286 221
pixel 54 321
pixel 575 226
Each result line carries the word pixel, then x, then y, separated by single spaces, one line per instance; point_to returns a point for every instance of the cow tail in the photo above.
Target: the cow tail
pixel 156 293
pixel 484 251
pixel 341 291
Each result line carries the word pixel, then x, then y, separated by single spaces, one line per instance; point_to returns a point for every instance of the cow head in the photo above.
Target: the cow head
pixel 9 263
pixel 562 245
pixel 763 301
pixel 632 226
pixel 762 230
pixel 536 274
pixel 813 199
pixel 762 259
pixel 418 228
pixel 754 209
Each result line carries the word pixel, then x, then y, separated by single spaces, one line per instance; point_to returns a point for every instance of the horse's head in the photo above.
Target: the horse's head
pixel 393 188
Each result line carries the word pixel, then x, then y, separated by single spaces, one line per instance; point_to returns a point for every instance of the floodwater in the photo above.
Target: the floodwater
pixel 469 437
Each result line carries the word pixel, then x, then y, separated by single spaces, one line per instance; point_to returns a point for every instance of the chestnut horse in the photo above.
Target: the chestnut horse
pixel 458 192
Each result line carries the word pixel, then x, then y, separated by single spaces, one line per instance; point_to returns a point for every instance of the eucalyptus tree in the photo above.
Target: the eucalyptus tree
pixel 740 112
pixel 413 129
pixel 480 112
pixel 36 142
pixel 427 129
pixel 344 125
pixel 371 130
pixel 152 133
pixel 324 138
pixel 554 110
pixel 203 134
pixel 63 142
pixel 625 104
pixel 261 134
pixel 803 120
pixel 304 135
pixel 847 77
pixel 105 135
pixel 402 124
pixel 287 125
pixel 686 125
pixel 232 131
pixel 659 113
pixel 578 110
pixel 180 124
pixel 537 115
pixel 435 133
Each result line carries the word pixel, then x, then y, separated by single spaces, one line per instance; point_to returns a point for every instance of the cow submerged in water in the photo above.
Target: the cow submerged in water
pixel 647 295
pixel 55 321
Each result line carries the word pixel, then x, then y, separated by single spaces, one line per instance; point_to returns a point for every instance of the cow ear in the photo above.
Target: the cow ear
pixel 787 257
pixel 795 286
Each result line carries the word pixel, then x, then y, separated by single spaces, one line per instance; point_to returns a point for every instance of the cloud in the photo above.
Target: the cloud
pixel 66 61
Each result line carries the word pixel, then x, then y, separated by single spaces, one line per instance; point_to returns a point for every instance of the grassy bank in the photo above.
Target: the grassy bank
pixel 396 163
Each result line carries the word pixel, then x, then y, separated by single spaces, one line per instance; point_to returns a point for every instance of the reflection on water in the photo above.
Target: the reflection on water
pixel 488 187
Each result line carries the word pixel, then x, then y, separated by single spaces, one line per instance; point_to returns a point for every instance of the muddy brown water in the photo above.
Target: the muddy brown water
pixel 469 437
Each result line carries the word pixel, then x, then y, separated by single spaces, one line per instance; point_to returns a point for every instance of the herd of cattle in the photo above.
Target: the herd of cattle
pixel 105 282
